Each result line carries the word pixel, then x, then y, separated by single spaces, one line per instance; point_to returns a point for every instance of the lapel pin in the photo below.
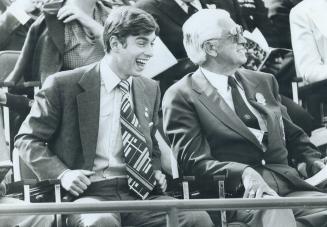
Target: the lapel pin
pixel 211 6
pixel 146 112
pixel 260 98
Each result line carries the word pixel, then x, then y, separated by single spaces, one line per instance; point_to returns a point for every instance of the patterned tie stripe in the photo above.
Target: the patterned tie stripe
pixel 138 163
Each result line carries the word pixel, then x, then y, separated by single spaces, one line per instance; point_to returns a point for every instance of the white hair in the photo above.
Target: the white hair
pixel 201 26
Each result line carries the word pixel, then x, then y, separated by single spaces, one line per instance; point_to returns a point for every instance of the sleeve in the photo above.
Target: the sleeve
pixel 18 103
pixel 297 141
pixel 156 157
pixel 306 53
pixel 182 125
pixel 38 129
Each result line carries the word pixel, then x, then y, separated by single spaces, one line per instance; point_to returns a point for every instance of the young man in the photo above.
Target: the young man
pixel 223 118
pixel 93 128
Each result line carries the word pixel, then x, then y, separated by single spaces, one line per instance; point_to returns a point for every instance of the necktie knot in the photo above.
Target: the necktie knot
pixel 232 82
pixel 124 86
pixel 190 8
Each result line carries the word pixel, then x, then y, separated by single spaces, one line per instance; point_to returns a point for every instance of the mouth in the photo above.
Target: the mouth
pixel 141 62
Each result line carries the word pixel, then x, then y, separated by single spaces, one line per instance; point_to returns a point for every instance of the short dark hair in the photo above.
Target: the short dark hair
pixel 127 21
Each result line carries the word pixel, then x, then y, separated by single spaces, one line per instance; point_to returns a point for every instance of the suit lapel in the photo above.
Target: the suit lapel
pixel 56 30
pixel 88 103
pixel 173 11
pixel 219 108
pixel 140 101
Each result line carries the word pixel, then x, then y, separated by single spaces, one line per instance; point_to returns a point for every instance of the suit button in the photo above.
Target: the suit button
pixel 263 162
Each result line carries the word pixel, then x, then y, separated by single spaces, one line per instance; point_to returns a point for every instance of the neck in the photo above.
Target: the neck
pixel 115 66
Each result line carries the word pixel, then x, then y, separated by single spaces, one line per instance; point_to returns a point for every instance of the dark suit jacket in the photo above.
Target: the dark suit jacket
pixel 208 138
pixel 171 17
pixel 62 128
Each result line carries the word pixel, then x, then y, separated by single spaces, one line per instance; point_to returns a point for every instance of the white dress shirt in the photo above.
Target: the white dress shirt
pixel 109 161
pixel 220 82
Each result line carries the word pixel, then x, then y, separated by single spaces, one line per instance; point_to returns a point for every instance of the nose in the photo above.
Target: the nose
pixel 149 50
pixel 241 39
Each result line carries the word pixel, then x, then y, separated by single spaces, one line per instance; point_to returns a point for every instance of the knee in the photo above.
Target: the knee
pixel 195 219
pixel 93 220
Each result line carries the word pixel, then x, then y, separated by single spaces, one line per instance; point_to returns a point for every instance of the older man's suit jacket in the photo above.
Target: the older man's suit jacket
pixel 208 138
pixel 61 130
pixel 171 17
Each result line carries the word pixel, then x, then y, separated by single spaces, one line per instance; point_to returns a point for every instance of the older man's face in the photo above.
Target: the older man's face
pixel 232 43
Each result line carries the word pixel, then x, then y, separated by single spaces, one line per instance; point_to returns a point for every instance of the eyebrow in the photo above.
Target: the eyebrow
pixel 145 38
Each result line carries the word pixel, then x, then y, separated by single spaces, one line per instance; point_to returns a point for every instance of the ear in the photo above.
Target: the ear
pixel 114 43
pixel 210 49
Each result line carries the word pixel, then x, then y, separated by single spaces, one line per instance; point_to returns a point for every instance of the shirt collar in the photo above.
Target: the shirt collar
pixel 109 78
pixel 218 81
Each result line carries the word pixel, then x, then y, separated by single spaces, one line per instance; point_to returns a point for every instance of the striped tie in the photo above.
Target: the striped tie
pixel 138 162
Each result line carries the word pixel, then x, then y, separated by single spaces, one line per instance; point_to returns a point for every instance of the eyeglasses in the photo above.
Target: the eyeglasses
pixel 235 34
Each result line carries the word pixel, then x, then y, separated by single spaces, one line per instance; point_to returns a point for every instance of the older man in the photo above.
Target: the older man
pixel 223 118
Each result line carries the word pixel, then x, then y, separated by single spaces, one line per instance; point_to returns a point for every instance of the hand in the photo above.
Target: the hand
pixel 76 181
pixel 71 12
pixel 27 5
pixel 317 166
pixel 161 180
pixel 254 184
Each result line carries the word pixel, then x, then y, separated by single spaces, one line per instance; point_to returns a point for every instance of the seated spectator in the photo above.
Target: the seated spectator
pixel 223 118
pixel 309 38
pixel 171 14
pixel 83 129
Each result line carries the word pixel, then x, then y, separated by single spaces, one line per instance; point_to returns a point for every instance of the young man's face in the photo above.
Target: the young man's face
pixel 134 54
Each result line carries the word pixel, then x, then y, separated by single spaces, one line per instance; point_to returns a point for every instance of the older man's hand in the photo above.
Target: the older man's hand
pixel 254 184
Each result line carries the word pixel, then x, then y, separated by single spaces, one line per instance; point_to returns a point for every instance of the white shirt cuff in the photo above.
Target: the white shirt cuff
pixel 20 14
pixel 62 174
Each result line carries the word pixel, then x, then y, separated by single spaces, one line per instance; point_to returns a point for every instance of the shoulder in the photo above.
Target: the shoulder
pixel 66 78
pixel 300 8
pixel 255 75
